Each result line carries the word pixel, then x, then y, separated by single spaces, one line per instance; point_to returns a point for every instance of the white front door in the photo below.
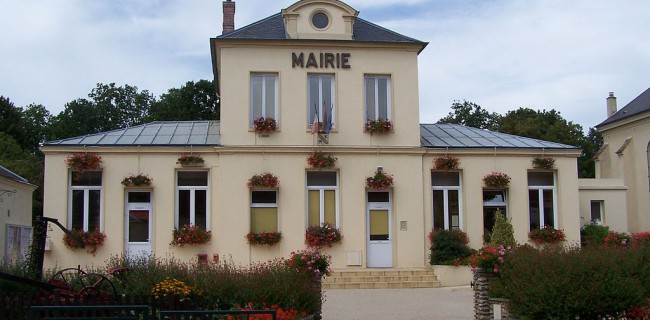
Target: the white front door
pixel 379 230
pixel 138 223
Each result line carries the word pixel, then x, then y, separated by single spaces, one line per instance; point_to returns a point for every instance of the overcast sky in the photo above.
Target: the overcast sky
pixel 502 55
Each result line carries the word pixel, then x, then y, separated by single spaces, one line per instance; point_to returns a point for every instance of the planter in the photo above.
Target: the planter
pixel 192 164
pixel 546 163
pixel 84 161
pixel 453 276
pixel 137 180
pixel 380 181
pixel 446 163
pixel 190 160
pixel 379 126
pixel 498 180
pixel 262 181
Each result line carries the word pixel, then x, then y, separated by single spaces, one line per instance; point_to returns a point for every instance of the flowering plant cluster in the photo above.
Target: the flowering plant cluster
pixel 380 181
pixel 378 126
pixel 311 260
pixel 84 161
pixel 190 234
pixel 616 239
pixel 266 238
pixel 319 159
pixel 174 287
pixel 189 159
pixel 139 179
pixel 543 163
pixel 92 239
pixel 446 163
pixel 264 180
pixel 280 314
pixel 489 258
pixel 323 235
pixel 548 234
pixel 639 312
pixel 265 125
pixel 496 180
pixel 642 238
pixel 457 234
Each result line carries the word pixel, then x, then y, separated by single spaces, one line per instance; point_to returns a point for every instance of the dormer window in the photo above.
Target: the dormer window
pixel 320 20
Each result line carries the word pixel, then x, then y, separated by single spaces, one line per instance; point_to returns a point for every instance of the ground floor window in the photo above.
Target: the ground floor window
pixel 192 199
pixel 446 200
pixel 597 207
pixel 541 200
pixel 85 200
pixel 322 198
pixel 264 211
pixel 494 201
pixel 17 243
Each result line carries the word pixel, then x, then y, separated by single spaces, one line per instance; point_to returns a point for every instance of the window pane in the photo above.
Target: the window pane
pixel 379 225
pixel 200 207
pixel 540 178
pixel 93 209
pixel 264 220
pixel 533 208
pixel 330 207
pixel 489 214
pixel 256 96
pixel 494 197
pixel 139 197
pixel 327 94
pixel 370 98
pixel 270 96
pixel 263 197
pixel 193 178
pixel 138 226
pixel 321 178
pixel 549 219
pixel 314 98
pixel 383 97
pixel 454 209
pixel 438 209
pixel 378 197
pixel 313 207
pixel 87 178
pixel 78 209
pixel 439 179
pixel 596 211
pixel 183 207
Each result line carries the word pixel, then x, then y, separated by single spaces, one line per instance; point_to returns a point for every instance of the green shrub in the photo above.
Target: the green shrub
pixel 593 234
pixel 568 283
pixel 502 233
pixel 447 246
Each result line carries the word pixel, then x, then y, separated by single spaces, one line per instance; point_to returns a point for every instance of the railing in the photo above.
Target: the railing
pixel 209 314
pixel 135 312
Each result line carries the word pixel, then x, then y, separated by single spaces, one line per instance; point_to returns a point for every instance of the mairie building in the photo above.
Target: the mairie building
pixel 323 74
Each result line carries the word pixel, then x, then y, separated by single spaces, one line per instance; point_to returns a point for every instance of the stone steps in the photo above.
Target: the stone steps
pixel 381 279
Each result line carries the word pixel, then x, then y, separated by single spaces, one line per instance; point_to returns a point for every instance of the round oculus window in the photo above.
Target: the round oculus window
pixel 320 20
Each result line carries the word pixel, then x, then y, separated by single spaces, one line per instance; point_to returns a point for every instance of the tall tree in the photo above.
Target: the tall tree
pixel 11 120
pixel 121 107
pixel 544 125
pixel 193 101
pixel 24 164
pixel 472 115
pixel 590 144
pixel 37 126
pixel 80 117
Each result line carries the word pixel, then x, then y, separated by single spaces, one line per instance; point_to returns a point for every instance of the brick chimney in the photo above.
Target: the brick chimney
pixel 611 104
pixel 228 16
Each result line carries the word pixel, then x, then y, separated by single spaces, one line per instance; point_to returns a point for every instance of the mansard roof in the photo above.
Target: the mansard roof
pixel 637 106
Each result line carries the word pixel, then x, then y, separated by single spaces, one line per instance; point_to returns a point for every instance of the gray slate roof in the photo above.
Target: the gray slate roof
pixel 272 28
pixel 458 136
pixel 4 172
pixel 160 133
pixel 640 104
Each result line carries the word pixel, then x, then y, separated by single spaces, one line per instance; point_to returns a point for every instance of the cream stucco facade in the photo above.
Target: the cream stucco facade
pixel 15 215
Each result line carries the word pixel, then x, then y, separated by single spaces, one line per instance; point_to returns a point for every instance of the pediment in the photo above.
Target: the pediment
pixel 319 19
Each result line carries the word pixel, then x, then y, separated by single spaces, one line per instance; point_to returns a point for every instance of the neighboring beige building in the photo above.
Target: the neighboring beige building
pixel 620 196
pixel 315 61
pixel 15 215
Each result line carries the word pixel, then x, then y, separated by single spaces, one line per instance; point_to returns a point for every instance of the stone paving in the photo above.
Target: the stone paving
pixel 411 304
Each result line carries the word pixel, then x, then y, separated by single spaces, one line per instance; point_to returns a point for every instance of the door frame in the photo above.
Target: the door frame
pixel 128 206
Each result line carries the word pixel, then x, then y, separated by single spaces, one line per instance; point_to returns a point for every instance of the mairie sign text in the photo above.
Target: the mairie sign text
pixel 321 60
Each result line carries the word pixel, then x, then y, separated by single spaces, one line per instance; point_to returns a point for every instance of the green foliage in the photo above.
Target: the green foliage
pixel 193 101
pixel 472 115
pixel 11 120
pixel 502 233
pixel 37 122
pixel 590 144
pixel 566 284
pixel 447 246
pixel 593 234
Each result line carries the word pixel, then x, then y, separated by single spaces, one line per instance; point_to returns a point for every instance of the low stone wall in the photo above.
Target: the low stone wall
pixel 453 276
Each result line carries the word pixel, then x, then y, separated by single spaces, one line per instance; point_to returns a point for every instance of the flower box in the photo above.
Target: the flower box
pixel 496 180
pixel 264 238
pixel 319 159
pixel 264 126
pixel 84 161
pixel 190 234
pixel 379 126
pixel 323 235
pixel 380 181
pixel 546 235
pixel 190 160
pixel 446 163
pixel 263 181
pixel 137 180
pixel 547 163
pixel 92 240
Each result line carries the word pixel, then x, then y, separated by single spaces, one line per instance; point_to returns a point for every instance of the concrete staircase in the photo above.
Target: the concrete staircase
pixel 381 279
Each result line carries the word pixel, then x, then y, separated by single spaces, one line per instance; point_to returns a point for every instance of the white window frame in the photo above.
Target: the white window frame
pixel 192 190
pixel 265 205
pixel 540 195
pixel 601 205
pixel 86 190
pixel 321 199
pixel 264 114
pixel 23 247
pixel 375 79
pixel 310 106
pixel 445 196
pixel 503 204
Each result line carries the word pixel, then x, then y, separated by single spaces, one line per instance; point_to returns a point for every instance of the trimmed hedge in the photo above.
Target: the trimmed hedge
pixel 447 246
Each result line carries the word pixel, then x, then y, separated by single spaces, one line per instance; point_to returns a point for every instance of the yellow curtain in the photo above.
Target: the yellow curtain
pixel 378 223
pixel 330 207
pixel 313 207
pixel 264 220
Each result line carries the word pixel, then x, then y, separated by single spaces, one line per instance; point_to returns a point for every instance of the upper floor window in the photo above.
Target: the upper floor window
pixel 321 98
pixel 264 96
pixel 85 200
pixel 192 200
pixel 377 97
pixel 541 200
pixel 322 198
pixel 446 200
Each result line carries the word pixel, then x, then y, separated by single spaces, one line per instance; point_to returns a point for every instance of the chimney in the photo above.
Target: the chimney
pixel 611 104
pixel 228 16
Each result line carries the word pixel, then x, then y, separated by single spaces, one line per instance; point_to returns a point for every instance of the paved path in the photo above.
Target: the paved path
pixel 411 304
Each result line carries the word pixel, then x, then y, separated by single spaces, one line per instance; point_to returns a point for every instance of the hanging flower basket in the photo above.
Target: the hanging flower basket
pixel 496 180
pixel 543 163
pixel 446 163
pixel 190 234
pixel 92 239
pixel 380 181
pixel 264 238
pixel 323 235
pixel 319 159
pixel 379 126
pixel 84 161
pixel 265 180
pixel 545 235
pixel 137 180
pixel 190 160
pixel 264 126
